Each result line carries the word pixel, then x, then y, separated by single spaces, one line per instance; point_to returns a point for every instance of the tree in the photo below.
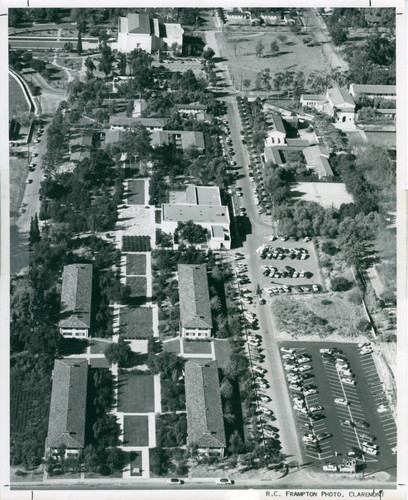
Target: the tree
pixel 89 64
pixel 79 43
pixel 226 389
pixel 92 458
pixel 35 235
pixel 263 79
pixel 106 60
pixel 274 47
pixel 246 83
pixel 119 352
pixel 259 49
pixel 236 444
pixel 208 54
pixel 339 35
pixel 340 284
pixel 115 459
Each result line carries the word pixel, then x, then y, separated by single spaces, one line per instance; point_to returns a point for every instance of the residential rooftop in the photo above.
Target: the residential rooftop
pixel 195 310
pixel 181 138
pixel 205 423
pixel 76 296
pixel 66 424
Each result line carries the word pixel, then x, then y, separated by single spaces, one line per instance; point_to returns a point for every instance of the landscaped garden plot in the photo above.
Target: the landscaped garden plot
pixel 136 244
pixel 136 430
pixel 18 176
pixel 222 352
pixel 135 393
pixel 138 286
pixel 135 264
pixel 136 323
pixel 318 315
pixel 98 346
pixel 197 347
pixel 136 194
pixel 135 463
pixel 172 345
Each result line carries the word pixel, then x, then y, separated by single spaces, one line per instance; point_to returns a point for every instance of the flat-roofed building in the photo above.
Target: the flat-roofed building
pixel 76 300
pixel 202 205
pixel 195 310
pixel 205 422
pixel 66 425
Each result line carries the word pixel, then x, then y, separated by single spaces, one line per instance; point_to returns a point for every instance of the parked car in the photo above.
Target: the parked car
pixel 341 401
pixel 175 481
pixel 347 423
pixel 362 424
pixel 323 435
pixel 224 481
pixel 348 381
pixel 287 349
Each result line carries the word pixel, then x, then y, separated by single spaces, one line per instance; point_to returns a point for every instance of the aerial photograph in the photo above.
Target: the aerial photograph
pixel 202 248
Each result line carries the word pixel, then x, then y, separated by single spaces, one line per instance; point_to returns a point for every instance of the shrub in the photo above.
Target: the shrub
pixel 354 297
pixel 363 325
pixel 326 302
pixel 329 248
pixel 340 284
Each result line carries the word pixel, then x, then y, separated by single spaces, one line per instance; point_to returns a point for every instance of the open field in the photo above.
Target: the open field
pixel 327 194
pixel 135 393
pixel 18 175
pixel 239 50
pixel 136 323
pixel 135 264
pixel 364 398
pixel 136 430
pixel 318 315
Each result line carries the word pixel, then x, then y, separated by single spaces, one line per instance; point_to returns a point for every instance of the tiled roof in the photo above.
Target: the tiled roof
pixel 197 107
pixel 187 138
pixel 373 89
pixel 139 23
pixel 112 136
pixel 68 404
pixel 312 97
pixel 128 121
pixel 317 160
pixel 195 310
pixel 339 96
pixel 272 153
pixel 205 423
pixel 278 123
pixel 76 296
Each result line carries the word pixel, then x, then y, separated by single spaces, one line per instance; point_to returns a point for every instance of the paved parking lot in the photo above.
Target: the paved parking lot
pixel 286 264
pixel 364 399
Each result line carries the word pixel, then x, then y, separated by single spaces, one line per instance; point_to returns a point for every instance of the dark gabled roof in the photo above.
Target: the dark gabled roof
pixel 76 296
pixel 128 121
pixel 139 23
pixel 205 423
pixel 195 310
pixel 66 424
pixel 278 123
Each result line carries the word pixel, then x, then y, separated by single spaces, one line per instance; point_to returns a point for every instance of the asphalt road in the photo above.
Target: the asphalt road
pixel 49 101
pixel 281 403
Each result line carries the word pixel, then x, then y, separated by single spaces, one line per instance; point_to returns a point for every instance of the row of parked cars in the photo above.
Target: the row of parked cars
pixel 292 289
pixel 298 370
pixel 287 272
pixel 279 253
pixel 336 357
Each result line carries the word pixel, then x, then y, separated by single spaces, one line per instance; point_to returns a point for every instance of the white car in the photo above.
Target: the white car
pixel 341 401
pixel 394 450
pixel 364 352
pixel 304 368
pixel 302 360
pixel 315 409
pixel 382 408
pixel 309 438
pixel 300 409
pixel 295 387
pixel 364 344
pixel 309 391
pixel 326 351
pixel 258 369
pixel 369 444
pixel 287 349
pixel 330 468
pixel 254 343
pixel 347 372
pixel 224 481
pixel 266 411
pixel 370 450
pixel 289 356
pixel 265 399
pixel 348 381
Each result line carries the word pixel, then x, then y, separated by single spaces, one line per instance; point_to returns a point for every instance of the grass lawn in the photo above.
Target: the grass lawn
pixel 196 347
pixel 99 363
pixel 136 323
pixel 135 393
pixel 319 315
pixel 98 346
pixel 17 100
pixel 136 463
pixel 136 430
pixel 18 176
pixel 135 264
pixel 136 194
pixel 222 352
pixel 138 286
pixel 239 49
pixel 172 346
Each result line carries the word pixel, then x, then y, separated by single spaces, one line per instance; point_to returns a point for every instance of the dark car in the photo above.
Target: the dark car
pixel 362 424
